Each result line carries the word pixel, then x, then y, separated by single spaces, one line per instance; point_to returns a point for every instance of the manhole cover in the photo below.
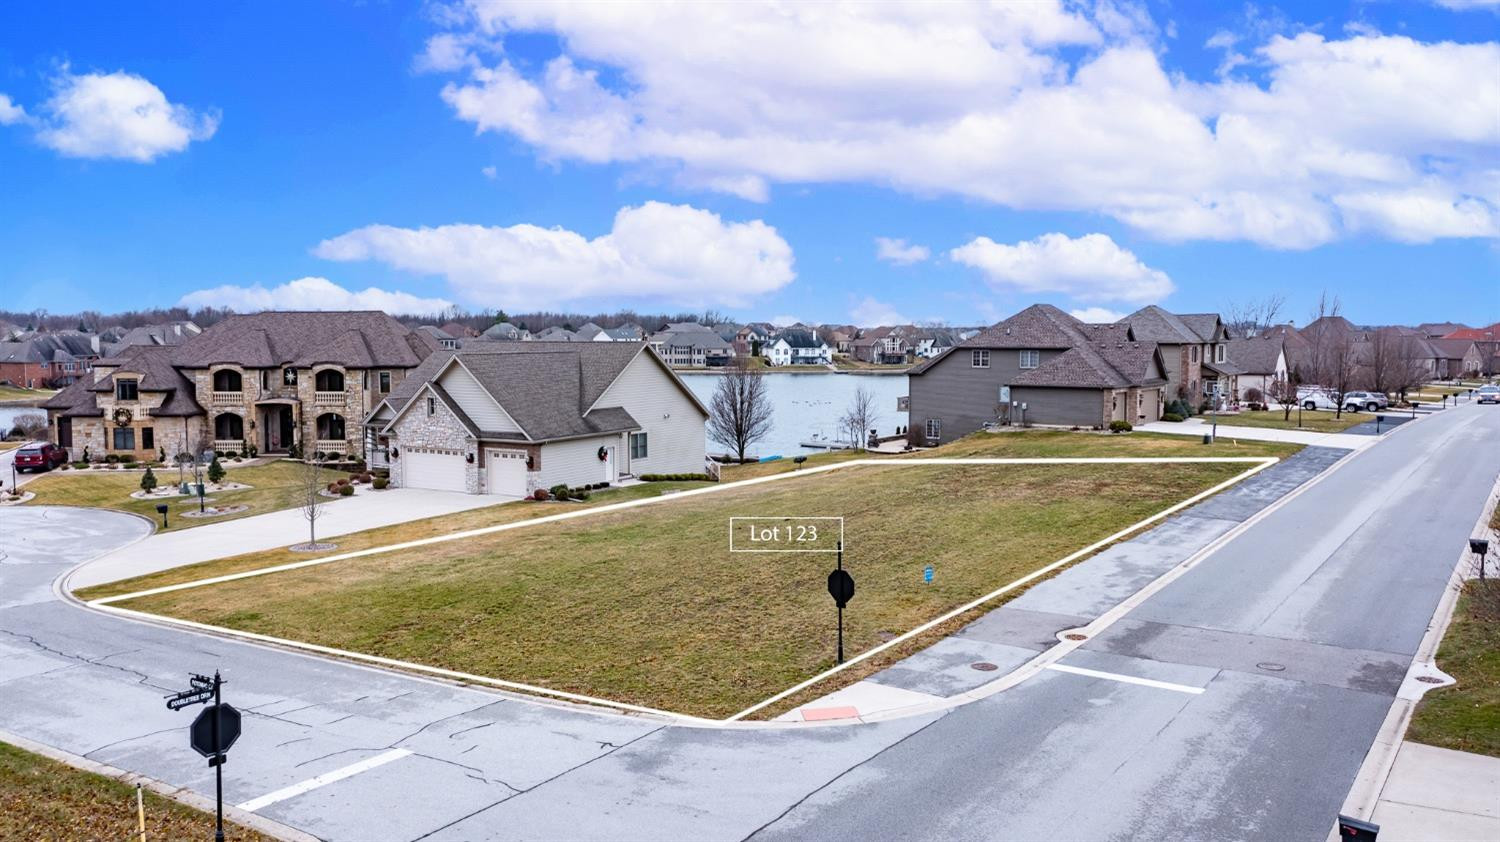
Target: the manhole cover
pixel 1075 636
pixel 1429 679
pixel 1267 665
pixel 984 666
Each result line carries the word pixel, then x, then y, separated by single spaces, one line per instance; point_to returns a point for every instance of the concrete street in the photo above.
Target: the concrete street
pixel 1235 703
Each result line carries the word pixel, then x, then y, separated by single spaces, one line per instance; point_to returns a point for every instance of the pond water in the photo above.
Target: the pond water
pixel 804 404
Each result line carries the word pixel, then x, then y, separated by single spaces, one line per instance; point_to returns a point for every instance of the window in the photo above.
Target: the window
pixel 125 390
pixel 227 381
pixel 979 359
pixel 1218 353
pixel 432 406
pixel 265 380
pixel 1195 353
pixel 330 427
pixel 228 426
pixel 147 438
pixel 289 377
pixel 385 382
pixel 637 445
pixel 934 429
pixel 1031 359
pixel 124 438
pixel 329 380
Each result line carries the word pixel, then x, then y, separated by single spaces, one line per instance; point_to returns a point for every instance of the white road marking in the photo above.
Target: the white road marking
pixel 1127 679
pixel 323 780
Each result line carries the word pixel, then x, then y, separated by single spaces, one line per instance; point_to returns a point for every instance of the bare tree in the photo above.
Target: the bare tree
pixel 739 413
pixel 1340 369
pixel 310 497
pixel 1250 317
pixel 1283 390
pixel 1409 368
pixel 859 418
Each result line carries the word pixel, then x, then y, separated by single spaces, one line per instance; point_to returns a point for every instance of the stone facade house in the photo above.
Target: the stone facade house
pixel 135 404
pixel 1040 366
pixel 509 418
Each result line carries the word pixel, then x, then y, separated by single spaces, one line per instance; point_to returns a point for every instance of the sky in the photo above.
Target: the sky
pixel 868 163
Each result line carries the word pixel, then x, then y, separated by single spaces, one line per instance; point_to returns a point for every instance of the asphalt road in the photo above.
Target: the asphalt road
pixel 1336 587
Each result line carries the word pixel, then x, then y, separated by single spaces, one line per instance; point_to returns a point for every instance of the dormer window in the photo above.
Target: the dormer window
pixel 126 390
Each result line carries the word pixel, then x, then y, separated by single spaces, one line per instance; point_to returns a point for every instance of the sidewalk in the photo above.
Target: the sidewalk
pixel 274 530
pixel 1196 427
pixel 1438 793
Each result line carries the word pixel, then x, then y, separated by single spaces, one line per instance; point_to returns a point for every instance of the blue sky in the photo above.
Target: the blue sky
pixel 1098 156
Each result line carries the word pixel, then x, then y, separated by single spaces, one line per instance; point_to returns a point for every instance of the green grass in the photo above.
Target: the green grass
pixel 275 488
pixel 647 605
pixel 1318 421
pixel 1466 715
pixel 14 393
pixel 43 799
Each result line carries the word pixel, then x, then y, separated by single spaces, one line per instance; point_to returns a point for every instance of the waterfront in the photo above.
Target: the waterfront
pixel 810 403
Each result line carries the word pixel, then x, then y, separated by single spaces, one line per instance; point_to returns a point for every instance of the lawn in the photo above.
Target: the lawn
pixel 43 799
pixel 1466 715
pixel 275 487
pixel 647 606
pixel 847 363
pixel 14 393
pixel 1317 421
pixel 10 445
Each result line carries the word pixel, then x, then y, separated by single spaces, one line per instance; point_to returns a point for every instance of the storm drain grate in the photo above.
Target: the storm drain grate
pixel 1270 666
pixel 984 666
pixel 1075 636
pixel 1429 679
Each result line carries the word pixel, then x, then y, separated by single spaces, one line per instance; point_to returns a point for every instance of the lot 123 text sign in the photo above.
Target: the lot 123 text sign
pixel 785 534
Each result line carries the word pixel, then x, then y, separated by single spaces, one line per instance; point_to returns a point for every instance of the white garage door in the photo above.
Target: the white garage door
pixel 505 472
pixel 435 469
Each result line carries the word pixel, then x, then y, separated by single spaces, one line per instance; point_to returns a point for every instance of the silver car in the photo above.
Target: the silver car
pixel 1488 394
pixel 1368 401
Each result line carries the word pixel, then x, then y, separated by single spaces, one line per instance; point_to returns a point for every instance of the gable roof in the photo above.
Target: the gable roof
pixel 1490 333
pixel 356 339
pixel 800 339
pixel 150 366
pixel 1256 355
pixel 1155 324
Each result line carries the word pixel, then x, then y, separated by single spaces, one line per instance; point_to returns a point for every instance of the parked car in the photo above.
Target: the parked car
pixel 1488 394
pixel 1368 401
pixel 43 456
pixel 1315 398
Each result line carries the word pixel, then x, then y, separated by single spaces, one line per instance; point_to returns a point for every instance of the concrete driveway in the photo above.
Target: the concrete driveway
pixel 368 509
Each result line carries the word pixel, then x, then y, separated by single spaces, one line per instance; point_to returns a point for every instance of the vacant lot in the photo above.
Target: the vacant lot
pixel 275 487
pixel 10 394
pixel 1466 716
pixel 44 799
pixel 648 606
pixel 1316 422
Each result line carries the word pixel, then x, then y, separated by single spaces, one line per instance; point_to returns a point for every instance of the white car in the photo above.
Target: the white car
pixel 1314 398
pixel 1488 394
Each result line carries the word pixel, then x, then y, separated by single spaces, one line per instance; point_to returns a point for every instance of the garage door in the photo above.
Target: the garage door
pixel 439 470
pixel 505 472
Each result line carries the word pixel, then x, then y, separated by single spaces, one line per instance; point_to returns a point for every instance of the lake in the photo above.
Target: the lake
pixel 804 404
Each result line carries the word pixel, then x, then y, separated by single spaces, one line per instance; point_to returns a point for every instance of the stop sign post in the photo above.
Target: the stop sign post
pixel 212 733
pixel 841 588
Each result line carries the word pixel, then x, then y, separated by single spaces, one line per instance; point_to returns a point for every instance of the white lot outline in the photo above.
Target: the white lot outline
pixel 782 519
pixel 1257 463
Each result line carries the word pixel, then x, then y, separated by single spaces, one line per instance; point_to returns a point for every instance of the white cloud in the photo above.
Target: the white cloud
pixel 1466 5
pixel 1096 315
pixel 311 294
pixel 784 320
pixel 869 312
pixel 116 115
pixel 10 112
pixel 490 172
pixel 900 252
pixel 1088 268
pixel 669 253
pixel 993 102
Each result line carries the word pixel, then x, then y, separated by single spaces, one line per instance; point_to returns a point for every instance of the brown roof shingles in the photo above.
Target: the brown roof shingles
pixel 357 339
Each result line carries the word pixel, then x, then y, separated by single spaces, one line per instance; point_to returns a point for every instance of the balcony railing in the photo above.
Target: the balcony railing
pixel 328 398
pixel 330 445
pixel 227 398
pixel 229 445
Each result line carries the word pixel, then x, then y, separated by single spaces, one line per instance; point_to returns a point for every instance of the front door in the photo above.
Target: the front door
pixel 609 465
pixel 279 429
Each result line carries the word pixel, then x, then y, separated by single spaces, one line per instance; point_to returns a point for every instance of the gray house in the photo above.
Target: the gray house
pixel 1187 342
pixel 1040 366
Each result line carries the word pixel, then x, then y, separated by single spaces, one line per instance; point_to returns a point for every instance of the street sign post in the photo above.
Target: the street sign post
pixel 212 733
pixel 841 588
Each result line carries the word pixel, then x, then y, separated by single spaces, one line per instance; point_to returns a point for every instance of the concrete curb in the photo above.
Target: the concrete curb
pixel 181 795
pixel 1375 771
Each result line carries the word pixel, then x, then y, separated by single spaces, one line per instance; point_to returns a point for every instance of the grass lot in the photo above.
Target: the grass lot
pixel 14 393
pixel 1465 716
pixel 43 799
pixel 1318 421
pixel 275 487
pixel 10 445
pixel 648 606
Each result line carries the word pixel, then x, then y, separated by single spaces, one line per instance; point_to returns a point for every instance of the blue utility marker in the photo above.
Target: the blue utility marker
pixel 927 574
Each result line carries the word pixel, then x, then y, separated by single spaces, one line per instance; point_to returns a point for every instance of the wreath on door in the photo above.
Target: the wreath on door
pixel 122 417
pixel 603 454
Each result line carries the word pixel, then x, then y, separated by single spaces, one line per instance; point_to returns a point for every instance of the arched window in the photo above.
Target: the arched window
pixel 227 380
pixel 228 426
pixel 329 380
pixel 330 426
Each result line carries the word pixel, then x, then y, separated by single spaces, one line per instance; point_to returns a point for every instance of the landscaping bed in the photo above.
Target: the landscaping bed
pixel 43 799
pixel 647 606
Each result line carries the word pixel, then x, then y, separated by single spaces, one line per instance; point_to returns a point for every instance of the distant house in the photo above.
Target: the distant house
pixel 1259 363
pixel 930 342
pixel 555 334
pixel 1479 334
pixel 1458 357
pixel 460 331
pixel 504 332
pixel 48 360
pixel 443 338
pixel 171 333
pixel 1040 366
pixel 885 345
pixel 691 346
pixel 798 347
pixel 591 332
pixel 1187 342
pixel 1438 330
pixel 508 418
pixel 750 341
pixel 628 332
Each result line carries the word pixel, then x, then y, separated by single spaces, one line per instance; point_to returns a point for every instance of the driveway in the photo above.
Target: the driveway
pixel 273 530
pixel 1167 726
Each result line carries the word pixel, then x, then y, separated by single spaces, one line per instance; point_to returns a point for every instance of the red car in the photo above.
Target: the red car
pixel 40 457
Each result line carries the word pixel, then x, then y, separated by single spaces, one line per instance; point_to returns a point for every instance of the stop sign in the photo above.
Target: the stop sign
pixel 841 587
pixel 203 730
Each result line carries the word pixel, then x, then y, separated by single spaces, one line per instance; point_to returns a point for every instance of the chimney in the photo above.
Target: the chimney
pixel 94 342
